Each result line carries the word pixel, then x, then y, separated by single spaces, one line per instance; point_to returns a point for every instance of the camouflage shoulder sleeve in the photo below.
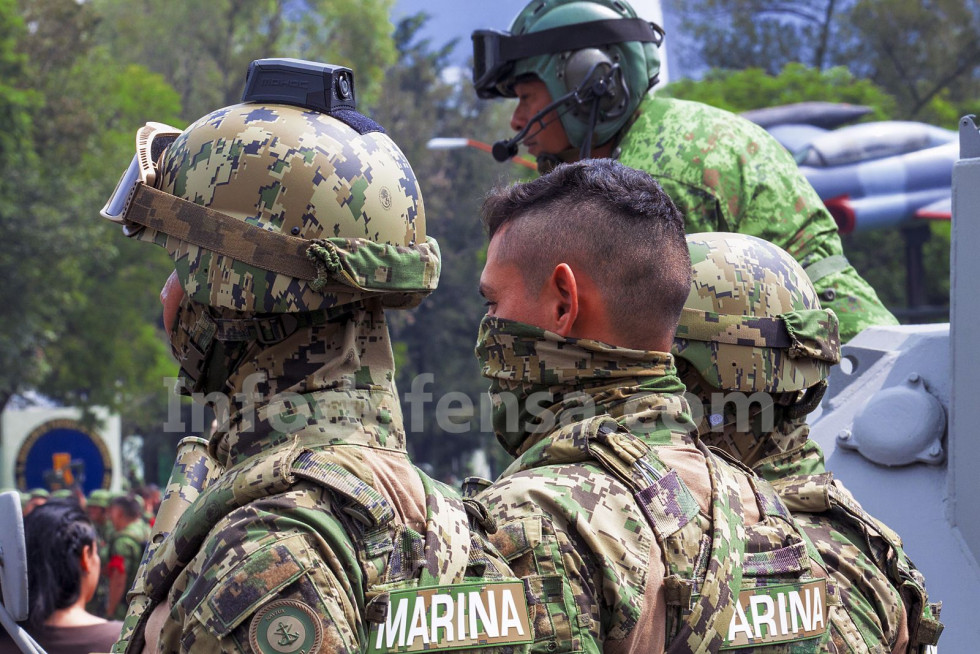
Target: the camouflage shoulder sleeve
pixel 275 575
pixel 580 542
pixel 758 189
pixel 727 174
pixel 872 606
pixel 127 547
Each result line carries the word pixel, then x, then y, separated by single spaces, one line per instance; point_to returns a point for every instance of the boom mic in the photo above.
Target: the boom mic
pixel 589 90
pixel 504 150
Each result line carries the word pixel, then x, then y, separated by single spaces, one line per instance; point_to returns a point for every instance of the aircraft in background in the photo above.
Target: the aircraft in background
pixel 870 175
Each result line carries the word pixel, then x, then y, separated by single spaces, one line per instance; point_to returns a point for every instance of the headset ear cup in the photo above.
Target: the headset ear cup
pixel 581 72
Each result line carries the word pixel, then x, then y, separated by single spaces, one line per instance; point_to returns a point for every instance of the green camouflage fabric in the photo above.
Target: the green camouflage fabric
pixel 295 522
pixel 350 201
pixel 523 361
pixel 882 591
pixel 99 497
pixel 573 521
pixel 129 544
pixel 726 174
pixel 740 283
pixel 752 321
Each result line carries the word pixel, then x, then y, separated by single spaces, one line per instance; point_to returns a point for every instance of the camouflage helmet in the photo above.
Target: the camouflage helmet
pixel 316 212
pixel 562 72
pixel 100 498
pixel 279 213
pixel 752 321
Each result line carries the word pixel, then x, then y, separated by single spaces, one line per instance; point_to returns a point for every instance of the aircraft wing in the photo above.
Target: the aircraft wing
pixel 939 210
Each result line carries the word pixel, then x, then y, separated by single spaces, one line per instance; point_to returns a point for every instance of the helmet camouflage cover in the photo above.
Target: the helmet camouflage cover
pixel 640 61
pixel 346 196
pixel 752 321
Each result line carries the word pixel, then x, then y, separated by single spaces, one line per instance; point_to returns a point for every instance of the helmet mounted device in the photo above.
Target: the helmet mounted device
pixel 312 85
pixel 321 87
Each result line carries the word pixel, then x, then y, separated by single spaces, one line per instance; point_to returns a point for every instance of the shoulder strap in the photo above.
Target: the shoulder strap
pixel 668 505
pixel 704 629
pixel 263 477
pixel 817 494
pixel 447 537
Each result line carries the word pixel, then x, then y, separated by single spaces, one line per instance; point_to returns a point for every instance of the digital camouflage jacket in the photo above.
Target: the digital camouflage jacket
pixel 630 534
pixel 727 174
pixel 125 551
pixel 881 590
pixel 318 519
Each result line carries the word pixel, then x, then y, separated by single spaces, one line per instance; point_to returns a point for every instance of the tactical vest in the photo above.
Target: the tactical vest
pixel 731 587
pixel 401 568
pixel 816 493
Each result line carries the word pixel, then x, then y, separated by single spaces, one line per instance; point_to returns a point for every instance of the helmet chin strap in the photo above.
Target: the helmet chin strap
pixel 589 90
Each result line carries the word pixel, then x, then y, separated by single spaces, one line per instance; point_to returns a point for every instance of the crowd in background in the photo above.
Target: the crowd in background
pixel 83 553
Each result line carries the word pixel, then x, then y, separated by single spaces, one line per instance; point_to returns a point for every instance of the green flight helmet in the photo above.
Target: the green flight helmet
pixel 753 321
pixel 563 72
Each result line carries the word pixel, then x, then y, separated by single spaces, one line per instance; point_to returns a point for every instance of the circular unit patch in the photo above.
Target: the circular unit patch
pixel 286 627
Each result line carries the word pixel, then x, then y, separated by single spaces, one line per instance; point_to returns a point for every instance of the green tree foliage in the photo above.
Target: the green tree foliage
pixel 19 360
pixel 438 337
pixel 918 52
pixel 766 34
pixel 753 88
pixel 203 49
pixel 85 329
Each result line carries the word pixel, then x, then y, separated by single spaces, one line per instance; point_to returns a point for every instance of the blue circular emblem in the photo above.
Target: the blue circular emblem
pixel 59 453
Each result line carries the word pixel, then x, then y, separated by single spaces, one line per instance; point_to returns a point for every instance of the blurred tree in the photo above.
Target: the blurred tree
pixel 766 34
pixel 84 299
pixel 754 88
pixel 203 49
pixel 425 98
pixel 25 294
pixel 916 51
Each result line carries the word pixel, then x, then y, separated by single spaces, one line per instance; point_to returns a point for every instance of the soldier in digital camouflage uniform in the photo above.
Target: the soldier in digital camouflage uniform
pixel 130 535
pixel 723 172
pixel 745 332
pixel 96 506
pixel 630 534
pixel 292 231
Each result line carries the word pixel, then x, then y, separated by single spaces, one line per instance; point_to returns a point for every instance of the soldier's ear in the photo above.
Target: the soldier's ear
pixel 565 299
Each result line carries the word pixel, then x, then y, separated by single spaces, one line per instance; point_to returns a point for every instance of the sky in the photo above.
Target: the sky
pixel 458 18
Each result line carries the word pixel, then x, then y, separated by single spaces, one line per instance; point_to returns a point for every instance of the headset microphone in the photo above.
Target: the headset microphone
pixel 590 90
pixel 504 150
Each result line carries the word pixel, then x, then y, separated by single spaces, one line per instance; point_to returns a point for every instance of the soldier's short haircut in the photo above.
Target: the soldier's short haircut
pixel 616 224
pixel 130 506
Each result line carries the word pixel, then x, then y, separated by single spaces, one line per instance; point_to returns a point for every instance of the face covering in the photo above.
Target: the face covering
pixel 535 373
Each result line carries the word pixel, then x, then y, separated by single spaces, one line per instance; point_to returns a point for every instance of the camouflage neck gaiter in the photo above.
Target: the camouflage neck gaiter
pixel 540 380
pixel 751 428
pixel 325 384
